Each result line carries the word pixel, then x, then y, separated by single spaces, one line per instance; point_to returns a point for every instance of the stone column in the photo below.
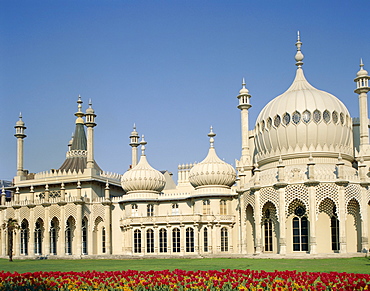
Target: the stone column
pixel 257 221
pixel 31 242
pixel 78 230
pixel 108 227
pixel 46 240
pixel 312 218
pixel 342 220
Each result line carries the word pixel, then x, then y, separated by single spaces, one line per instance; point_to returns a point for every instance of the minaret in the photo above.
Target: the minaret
pixel 20 135
pixel 362 81
pixel 134 143
pixel 90 124
pixel 244 106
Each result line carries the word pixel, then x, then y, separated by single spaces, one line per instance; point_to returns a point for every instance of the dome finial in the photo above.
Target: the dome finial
pixel 211 137
pixel 362 72
pixel 243 83
pixel 299 56
pixel 143 143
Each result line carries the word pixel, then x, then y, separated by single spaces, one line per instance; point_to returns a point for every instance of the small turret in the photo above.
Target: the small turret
pixel 20 135
pixel 134 143
pixel 90 124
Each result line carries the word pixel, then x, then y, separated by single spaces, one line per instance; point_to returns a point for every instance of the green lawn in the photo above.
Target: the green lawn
pixel 350 265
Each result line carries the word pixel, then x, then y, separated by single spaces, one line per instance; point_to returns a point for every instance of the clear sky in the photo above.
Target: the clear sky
pixel 172 67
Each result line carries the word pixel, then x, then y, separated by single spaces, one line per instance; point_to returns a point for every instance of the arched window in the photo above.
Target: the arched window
pixel 84 236
pixel 267 224
pixel 205 239
pixel 176 240
pixel 334 226
pixel 150 241
pixel 189 240
pixel 300 230
pixel 223 207
pixel 24 237
pixel 68 237
pixel 53 237
pixel 103 240
pixel 134 210
pixel 137 241
pixel 175 209
pixel 206 207
pixel 163 240
pixel 38 238
pixel 150 210
pixel 224 240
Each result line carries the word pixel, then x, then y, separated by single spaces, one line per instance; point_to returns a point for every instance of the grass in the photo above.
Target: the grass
pixel 349 265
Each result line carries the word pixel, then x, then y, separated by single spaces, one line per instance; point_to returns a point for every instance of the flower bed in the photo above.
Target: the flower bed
pixel 184 280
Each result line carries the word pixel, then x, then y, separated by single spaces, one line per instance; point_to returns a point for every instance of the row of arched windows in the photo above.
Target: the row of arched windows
pixel 54 237
pixel 305 117
pixel 145 240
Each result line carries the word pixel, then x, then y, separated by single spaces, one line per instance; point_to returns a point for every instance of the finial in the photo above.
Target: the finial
pixel 90 103
pixel 243 83
pixel 143 143
pixel 134 127
pixel 310 158
pixel 79 101
pixel 211 137
pixel 299 56
pixel 20 115
pixel 361 63
pixel 107 185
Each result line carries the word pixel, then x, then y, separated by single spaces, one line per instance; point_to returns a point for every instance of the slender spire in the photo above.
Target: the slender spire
pixel 211 137
pixel 143 143
pixel 299 56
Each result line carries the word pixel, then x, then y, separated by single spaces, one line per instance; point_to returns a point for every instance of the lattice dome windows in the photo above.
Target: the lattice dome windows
pixel 326 116
pixel 335 117
pixel 317 116
pixel 296 117
pixel 277 120
pixel 286 118
pixel 269 123
pixel 306 116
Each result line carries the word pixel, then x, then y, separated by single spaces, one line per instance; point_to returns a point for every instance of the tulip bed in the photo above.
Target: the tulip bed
pixel 184 280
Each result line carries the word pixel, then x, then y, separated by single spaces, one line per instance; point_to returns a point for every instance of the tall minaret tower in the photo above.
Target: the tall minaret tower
pixel 362 82
pixel 134 143
pixel 90 124
pixel 244 166
pixel 20 135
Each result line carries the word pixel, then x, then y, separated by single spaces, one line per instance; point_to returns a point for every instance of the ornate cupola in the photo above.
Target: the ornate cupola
pixel 143 178
pixel 212 171
pixel 303 121
pixel 76 157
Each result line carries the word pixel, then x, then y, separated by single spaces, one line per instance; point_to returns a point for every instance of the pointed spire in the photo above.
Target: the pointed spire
pixel 211 137
pixel 79 114
pixel 143 143
pixel 299 56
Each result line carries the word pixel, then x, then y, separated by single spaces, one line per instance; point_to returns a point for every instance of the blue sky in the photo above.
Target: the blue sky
pixel 172 67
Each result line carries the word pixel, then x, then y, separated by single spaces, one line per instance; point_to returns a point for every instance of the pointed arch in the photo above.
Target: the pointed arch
pixel 25 231
pixel 39 235
pixel 327 226
pixel 250 229
pixel 353 226
pixel 54 235
pixel 270 227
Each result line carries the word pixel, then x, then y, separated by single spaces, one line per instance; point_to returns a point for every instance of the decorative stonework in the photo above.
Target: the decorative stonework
pixel 269 194
pixel 327 206
pixel 294 192
pixel 353 191
pixel 326 190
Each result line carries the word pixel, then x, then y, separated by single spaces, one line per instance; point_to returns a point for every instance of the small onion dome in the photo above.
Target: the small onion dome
pixel 143 178
pixel 212 171
pixel 243 90
pixel 20 122
pixel 90 110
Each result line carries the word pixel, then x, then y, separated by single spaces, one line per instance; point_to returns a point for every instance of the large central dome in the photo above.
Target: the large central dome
pixel 301 121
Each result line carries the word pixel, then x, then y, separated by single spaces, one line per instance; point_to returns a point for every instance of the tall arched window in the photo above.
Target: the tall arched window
pixel 334 225
pixel 68 237
pixel 267 224
pixel 205 239
pixel 150 241
pixel 176 240
pixel 137 241
pixel 224 240
pixel 103 240
pixel 300 230
pixel 84 236
pixel 38 238
pixel 53 237
pixel 150 210
pixel 206 207
pixel 189 240
pixel 24 237
pixel 163 240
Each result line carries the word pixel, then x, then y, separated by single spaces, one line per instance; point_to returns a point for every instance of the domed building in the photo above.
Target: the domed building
pixel 300 187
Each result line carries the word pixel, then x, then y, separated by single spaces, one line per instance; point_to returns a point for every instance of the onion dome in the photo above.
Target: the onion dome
pixel 20 122
pixel 212 171
pixel 302 120
pixel 362 72
pixel 143 178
